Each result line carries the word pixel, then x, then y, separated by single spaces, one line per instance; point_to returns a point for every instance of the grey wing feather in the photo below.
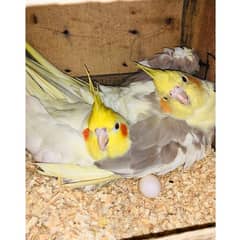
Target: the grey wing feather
pixel 158 146
pixel 135 77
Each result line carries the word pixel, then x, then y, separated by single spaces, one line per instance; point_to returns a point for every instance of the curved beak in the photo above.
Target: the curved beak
pixel 102 138
pixel 180 95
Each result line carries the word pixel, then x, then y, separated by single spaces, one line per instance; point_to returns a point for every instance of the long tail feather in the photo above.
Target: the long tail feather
pixel 74 88
pixel 47 82
pixel 75 176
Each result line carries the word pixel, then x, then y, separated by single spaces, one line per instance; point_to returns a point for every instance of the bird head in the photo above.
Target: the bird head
pixel 107 134
pixel 180 93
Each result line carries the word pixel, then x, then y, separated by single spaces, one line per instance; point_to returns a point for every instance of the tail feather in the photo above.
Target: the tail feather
pixel 76 176
pixel 47 82
pixel 69 86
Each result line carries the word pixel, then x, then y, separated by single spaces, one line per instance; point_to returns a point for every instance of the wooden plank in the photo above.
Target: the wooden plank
pixel 198 30
pixel 107 37
pixel 202 234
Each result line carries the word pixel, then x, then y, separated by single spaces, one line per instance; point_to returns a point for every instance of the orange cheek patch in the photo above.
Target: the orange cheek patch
pixel 86 133
pixel 195 80
pixel 124 129
pixel 165 106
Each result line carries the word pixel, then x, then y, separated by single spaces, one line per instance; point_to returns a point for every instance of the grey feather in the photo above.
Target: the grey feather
pixel 136 77
pixel 179 58
pixel 158 146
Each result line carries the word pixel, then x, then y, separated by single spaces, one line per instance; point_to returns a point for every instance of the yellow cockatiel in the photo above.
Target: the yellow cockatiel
pixel 129 134
pixel 63 132
pixel 185 97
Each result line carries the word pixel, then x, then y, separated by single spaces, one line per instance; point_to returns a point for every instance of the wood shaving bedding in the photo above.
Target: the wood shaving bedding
pixel 118 210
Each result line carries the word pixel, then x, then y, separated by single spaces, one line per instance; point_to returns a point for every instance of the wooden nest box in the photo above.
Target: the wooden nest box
pixel 108 36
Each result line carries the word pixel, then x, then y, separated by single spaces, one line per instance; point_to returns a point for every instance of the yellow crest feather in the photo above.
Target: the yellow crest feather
pixel 95 93
pixel 149 71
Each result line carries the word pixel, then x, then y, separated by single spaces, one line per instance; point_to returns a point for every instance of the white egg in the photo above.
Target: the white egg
pixel 149 186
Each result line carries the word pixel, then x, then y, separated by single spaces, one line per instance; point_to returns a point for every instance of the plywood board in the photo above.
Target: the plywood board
pixel 107 37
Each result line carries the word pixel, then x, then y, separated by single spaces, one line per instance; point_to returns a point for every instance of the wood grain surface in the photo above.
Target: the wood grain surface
pixel 107 37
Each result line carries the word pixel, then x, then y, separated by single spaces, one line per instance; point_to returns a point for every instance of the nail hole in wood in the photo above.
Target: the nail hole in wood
pixel 34 19
pixel 66 32
pixel 169 20
pixel 133 31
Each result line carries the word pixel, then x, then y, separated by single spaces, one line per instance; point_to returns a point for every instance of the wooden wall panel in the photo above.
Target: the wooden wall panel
pixel 198 30
pixel 105 36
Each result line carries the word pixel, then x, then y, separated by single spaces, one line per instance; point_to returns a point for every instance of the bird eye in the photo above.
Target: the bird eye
pixel 116 126
pixel 184 79
pixel 165 98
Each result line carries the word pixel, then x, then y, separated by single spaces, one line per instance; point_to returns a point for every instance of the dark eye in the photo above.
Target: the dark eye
pixel 165 98
pixel 116 126
pixel 184 79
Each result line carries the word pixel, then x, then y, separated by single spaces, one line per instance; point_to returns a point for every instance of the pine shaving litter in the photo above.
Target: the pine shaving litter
pixel 118 210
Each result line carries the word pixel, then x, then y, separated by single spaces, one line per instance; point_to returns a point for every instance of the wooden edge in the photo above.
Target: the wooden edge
pixel 196 15
pixel 196 232
pixel 201 234
pixel 116 79
pixel 46 2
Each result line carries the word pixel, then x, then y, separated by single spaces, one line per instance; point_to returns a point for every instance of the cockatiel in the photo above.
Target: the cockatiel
pixel 185 97
pixel 61 128
pixel 157 143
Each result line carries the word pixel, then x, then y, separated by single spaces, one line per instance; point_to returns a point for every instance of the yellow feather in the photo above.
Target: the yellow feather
pixel 74 175
pixel 95 94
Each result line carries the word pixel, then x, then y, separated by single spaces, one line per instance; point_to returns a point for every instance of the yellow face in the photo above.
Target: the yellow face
pixel 180 94
pixel 107 134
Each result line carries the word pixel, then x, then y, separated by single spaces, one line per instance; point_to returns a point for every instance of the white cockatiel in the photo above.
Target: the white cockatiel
pixel 159 143
pixel 65 134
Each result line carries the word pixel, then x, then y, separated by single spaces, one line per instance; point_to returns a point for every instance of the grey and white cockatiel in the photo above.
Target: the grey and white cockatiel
pixel 157 143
